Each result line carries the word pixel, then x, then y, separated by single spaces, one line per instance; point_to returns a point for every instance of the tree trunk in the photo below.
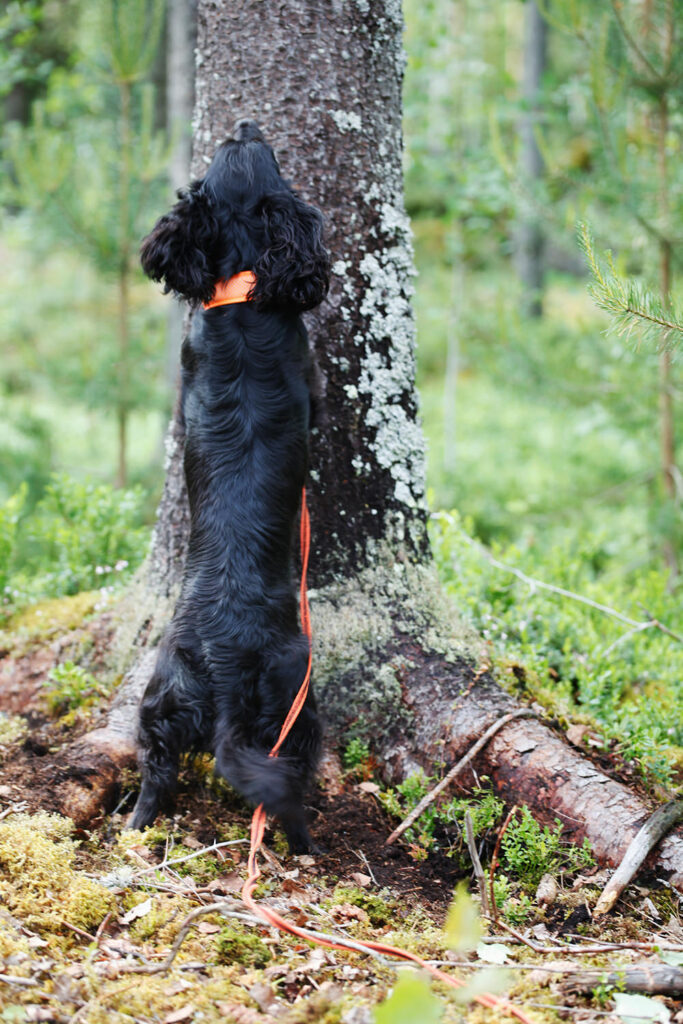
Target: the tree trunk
pixel 529 255
pixel 181 34
pixel 389 663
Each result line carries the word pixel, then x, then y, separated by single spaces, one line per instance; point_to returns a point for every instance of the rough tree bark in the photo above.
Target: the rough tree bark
pixel 390 662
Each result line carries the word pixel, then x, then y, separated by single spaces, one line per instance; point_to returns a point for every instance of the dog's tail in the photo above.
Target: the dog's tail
pixel 279 783
pixel 275 782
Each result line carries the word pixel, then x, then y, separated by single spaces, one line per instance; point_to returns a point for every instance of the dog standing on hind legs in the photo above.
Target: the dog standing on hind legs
pixel 233 656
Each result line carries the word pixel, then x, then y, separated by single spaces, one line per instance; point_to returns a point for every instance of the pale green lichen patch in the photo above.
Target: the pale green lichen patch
pixel 346 120
pixel 355 625
pixel 387 376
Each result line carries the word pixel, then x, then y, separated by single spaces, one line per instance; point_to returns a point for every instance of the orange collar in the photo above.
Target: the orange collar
pixel 235 289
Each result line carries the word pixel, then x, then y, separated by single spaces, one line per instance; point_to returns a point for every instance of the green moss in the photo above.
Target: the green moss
pixel 38 882
pixel 239 944
pixel 12 729
pixel 163 921
pixel 58 615
pixel 380 907
pixel 150 837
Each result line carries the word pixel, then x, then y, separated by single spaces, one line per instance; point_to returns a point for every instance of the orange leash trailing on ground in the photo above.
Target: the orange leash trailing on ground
pixel 258 824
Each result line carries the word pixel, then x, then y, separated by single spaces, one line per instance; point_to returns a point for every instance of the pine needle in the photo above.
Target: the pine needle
pixel 630 304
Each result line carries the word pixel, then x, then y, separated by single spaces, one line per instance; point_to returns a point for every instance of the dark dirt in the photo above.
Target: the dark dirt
pixel 348 826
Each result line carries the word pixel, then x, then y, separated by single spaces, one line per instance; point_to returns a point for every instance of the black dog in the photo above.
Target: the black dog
pixel 233 656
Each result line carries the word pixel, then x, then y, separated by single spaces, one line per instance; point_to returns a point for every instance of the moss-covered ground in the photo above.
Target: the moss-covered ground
pixel 88 919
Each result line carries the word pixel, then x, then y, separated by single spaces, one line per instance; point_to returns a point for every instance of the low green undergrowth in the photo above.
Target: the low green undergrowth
pixel 70 688
pixel 442 825
pixel 528 850
pixel 80 536
pixel 590 646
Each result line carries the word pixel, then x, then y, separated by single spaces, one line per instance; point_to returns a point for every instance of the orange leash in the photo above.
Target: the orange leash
pixel 258 823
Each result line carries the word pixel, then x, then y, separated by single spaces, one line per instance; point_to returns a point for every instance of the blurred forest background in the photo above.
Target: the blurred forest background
pixel 551 395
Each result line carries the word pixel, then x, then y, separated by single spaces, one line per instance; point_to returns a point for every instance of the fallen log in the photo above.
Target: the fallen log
pixel 528 762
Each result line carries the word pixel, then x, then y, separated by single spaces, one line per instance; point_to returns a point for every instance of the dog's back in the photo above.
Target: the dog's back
pixel 233 657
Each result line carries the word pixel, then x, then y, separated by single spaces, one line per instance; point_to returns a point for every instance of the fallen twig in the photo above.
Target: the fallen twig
pixel 79 931
pixel 655 828
pixel 10 979
pixel 457 768
pixel 655 979
pixel 476 863
pixel 15 808
pixel 494 863
pixel 165 863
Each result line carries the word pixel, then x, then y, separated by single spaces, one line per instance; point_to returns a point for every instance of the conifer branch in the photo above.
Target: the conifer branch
pixel 628 302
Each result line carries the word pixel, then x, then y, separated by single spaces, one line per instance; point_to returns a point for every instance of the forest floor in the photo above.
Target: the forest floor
pixel 89 917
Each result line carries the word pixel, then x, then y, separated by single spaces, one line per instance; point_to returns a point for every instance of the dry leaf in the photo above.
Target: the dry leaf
pixel 184 1013
pixel 368 787
pixel 206 928
pixel 242 1014
pixel 360 879
pixel 118 947
pixel 138 911
pixel 576 733
pixel 264 997
pixel 193 843
pixel 546 893
pixel 226 884
pixel 347 912
pixel 177 987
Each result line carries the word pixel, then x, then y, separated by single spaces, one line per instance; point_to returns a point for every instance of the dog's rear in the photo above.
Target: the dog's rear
pixel 233 657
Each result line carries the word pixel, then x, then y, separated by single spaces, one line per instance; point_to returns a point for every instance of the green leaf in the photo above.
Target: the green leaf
pixel 411 1000
pixel 635 1009
pixel 490 981
pixel 463 928
pixel 670 956
pixel 493 952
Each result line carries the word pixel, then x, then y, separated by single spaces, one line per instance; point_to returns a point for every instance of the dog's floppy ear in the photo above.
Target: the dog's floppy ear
pixel 293 270
pixel 180 250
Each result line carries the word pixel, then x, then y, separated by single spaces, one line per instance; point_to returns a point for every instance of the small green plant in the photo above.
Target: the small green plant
pixel 70 687
pixel 441 826
pixel 356 757
pixel 518 909
pixel 530 851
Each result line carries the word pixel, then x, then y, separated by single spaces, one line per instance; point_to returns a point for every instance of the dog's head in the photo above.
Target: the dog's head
pixel 241 216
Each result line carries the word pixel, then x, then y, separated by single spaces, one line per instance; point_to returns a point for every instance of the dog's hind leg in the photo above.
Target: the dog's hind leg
pixel 244 739
pixel 159 762
pixel 168 726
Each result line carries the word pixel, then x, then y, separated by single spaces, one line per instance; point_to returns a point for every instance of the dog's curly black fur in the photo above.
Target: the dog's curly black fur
pixel 233 656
